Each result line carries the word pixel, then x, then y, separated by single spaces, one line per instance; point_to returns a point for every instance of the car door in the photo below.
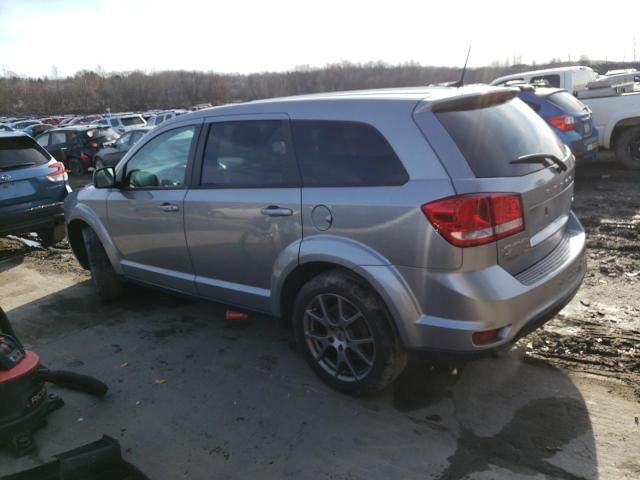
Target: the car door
pixel 145 216
pixel 244 208
pixel 55 144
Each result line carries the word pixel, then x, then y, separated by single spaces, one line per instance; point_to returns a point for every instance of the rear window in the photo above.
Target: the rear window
pixel 567 102
pixel 105 134
pixel 489 138
pixel 20 152
pixel 345 154
pixel 128 121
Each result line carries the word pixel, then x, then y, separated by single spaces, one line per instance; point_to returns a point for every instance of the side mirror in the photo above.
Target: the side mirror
pixel 104 178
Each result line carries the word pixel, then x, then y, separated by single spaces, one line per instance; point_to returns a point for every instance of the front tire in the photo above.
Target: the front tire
pixel 628 148
pixel 344 332
pixel 109 285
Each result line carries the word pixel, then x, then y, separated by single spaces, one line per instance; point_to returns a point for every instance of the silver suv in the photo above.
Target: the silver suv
pixel 374 222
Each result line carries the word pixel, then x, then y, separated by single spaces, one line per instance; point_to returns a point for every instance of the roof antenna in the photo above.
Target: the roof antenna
pixel 460 82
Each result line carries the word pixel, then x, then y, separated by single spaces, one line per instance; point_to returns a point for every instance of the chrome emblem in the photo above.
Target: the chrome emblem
pixel 5 178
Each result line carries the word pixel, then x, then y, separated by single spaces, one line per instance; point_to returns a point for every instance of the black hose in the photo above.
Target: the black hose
pixel 73 381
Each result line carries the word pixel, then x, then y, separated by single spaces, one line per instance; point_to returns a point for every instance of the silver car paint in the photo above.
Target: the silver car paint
pixel 436 293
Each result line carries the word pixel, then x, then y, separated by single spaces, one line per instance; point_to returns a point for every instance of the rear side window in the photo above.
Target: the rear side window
pixel 20 152
pixel 345 154
pixel 567 102
pixel 490 138
pixel 251 153
pixel 58 138
pixel 128 121
pixel 546 80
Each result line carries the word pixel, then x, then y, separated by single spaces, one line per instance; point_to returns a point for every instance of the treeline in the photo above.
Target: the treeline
pixel 91 92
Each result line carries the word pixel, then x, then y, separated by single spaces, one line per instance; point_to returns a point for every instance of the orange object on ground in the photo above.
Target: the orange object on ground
pixel 236 316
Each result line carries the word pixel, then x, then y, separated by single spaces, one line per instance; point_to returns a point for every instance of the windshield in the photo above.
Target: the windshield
pixel 17 152
pixel 490 138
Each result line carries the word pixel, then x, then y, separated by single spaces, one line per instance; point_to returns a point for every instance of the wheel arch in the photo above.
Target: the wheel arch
pixel 80 217
pixel 620 126
pixel 373 269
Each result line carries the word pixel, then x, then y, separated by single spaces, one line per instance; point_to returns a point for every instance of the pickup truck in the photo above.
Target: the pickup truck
pixel 614 101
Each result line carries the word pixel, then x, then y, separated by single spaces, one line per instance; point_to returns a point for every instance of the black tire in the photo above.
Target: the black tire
pixel 76 168
pixel 377 363
pixel 109 285
pixel 52 236
pixel 628 148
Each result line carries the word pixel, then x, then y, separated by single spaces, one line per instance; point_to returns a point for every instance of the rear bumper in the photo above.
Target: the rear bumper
pixel 454 305
pixel 37 218
pixel 586 148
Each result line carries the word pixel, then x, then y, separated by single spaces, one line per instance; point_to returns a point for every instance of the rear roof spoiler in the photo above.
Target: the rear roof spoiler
pixel 470 101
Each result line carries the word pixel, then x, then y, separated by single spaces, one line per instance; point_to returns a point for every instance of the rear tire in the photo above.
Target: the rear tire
pixel 628 148
pixel 109 285
pixel 345 333
pixel 75 167
pixel 53 235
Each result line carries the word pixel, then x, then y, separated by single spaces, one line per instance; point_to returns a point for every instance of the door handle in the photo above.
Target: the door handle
pixel 169 207
pixel 275 211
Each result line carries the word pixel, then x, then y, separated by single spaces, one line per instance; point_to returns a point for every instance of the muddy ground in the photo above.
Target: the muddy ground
pixel 192 394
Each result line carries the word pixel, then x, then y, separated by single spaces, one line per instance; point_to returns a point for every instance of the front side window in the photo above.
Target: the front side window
pixel 162 162
pixel 252 153
pixel 345 154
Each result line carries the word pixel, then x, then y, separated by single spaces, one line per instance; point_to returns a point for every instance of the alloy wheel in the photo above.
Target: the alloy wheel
pixel 339 337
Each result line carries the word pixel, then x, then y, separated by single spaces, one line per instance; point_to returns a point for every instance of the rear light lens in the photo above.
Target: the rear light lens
pixel 84 157
pixel 564 123
pixel 58 173
pixel 476 219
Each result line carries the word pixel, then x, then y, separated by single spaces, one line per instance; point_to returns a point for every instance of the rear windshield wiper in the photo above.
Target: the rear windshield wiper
pixel 17 165
pixel 540 158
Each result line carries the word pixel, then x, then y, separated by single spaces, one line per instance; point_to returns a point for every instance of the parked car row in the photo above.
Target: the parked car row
pixel 612 100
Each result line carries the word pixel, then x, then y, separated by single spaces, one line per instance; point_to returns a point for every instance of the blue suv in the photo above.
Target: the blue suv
pixel 33 186
pixel 569 117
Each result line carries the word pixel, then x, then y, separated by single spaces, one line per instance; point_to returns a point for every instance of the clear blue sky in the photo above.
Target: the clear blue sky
pixel 251 35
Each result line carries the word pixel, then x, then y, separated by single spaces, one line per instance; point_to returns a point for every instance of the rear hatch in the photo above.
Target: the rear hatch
pixel 25 169
pixel 493 142
pixel 574 107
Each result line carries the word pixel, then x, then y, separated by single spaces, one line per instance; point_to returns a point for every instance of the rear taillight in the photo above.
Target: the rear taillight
pixel 564 123
pixel 476 219
pixel 84 157
pixel 59 172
